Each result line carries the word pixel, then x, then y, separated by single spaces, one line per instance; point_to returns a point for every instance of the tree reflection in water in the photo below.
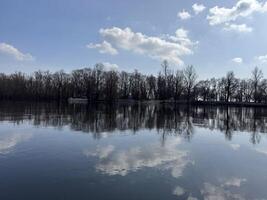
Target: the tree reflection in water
pixel 100 119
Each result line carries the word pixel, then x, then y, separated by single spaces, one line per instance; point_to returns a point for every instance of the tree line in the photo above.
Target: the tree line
pixel 98 84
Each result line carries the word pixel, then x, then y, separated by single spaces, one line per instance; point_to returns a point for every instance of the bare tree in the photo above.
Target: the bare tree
pixel 230 85
pixel 257 75
pixel 165 68
pixel 111 86
pixel 190 77
pixel 151 84
pixel 124 85
pixel 178 85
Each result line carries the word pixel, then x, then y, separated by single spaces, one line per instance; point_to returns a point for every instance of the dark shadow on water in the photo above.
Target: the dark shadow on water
pixel 166 119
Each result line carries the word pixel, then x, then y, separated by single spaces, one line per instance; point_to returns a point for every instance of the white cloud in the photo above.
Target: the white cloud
pixel 184 15
pixel 262 59
pixel 181 36
pixel 178 191
pixel 14 52
pixel 104 47
pixel 181 33
pixel 237 60
pixel 110 66
pixel 198 8
pixel 172 48
pixel 238 28
pixel 243 8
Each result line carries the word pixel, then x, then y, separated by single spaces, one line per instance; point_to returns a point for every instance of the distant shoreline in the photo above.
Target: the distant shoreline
pixel 132 102
pixel 194 103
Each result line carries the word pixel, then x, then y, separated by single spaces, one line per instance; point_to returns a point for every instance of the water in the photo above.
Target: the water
pixel 50 151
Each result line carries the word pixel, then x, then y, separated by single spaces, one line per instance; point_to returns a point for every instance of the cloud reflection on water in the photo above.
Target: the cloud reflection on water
pixel 9 141
pixel 213 192
pixel 114 161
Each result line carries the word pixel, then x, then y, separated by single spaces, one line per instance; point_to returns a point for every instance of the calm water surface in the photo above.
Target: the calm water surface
pixel 136 152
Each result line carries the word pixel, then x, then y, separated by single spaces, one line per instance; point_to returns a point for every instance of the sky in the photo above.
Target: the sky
pixel 214 36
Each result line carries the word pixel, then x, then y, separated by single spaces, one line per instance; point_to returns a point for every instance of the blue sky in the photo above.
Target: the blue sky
pixel 214 36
